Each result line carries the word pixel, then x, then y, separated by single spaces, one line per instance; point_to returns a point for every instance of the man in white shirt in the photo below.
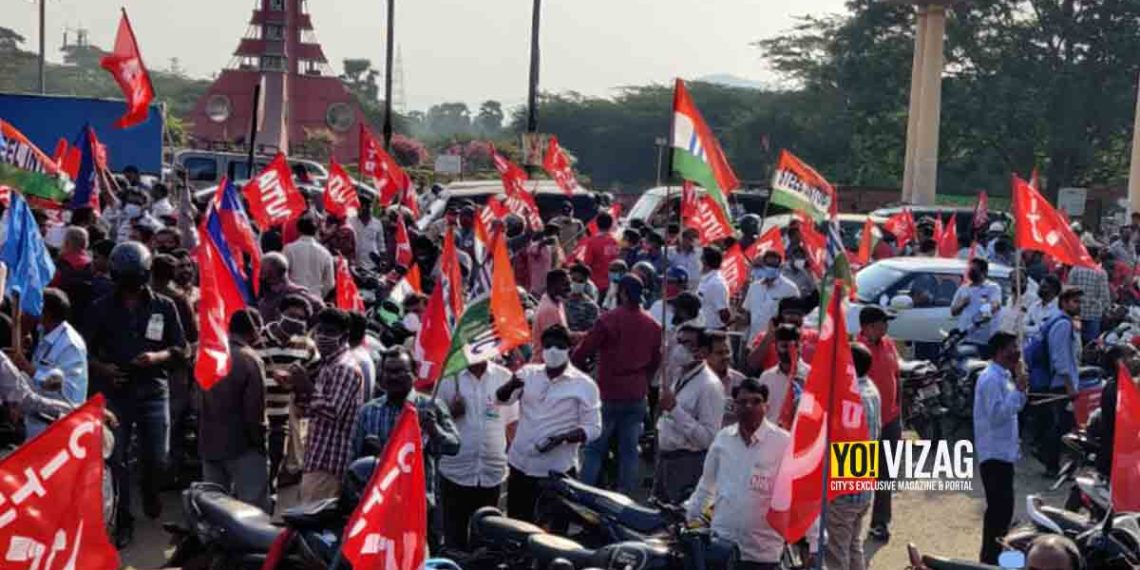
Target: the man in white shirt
pixel 559 410
pixel 764 294
pixel 692 407
pixel 369 236
pixel 310 264
pixel 1045 307
pixel 58 368
pixel 975 301
pixel 472 479
pixel 687 256
pixel 713 290
pixel 786 378
pixel 737 481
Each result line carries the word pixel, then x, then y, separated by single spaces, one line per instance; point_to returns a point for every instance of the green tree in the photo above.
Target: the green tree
pixel 489 121
pixel 448 119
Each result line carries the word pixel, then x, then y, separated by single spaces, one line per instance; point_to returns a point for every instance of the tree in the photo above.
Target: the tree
pixel 489 121
pixel 360 78
pixel 10 40
pixel 448 119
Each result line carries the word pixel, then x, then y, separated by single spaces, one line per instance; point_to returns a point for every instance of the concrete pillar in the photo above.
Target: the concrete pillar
pixel 1134 168
pixel 915 108
pixel 926 150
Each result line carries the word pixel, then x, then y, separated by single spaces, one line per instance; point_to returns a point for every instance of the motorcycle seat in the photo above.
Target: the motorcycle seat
pixel 620 507
pixel 503 530
pixel 547 547
pixel 245 528
pixel 316 515
pixel 1071 523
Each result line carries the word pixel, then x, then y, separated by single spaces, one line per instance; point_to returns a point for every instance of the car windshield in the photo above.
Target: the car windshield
pixel 644 206
pixel 873 280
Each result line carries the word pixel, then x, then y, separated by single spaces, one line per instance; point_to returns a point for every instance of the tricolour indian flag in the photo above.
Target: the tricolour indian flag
pixel 697 156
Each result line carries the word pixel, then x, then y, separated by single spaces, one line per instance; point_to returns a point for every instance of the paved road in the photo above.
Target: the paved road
pixel 944 523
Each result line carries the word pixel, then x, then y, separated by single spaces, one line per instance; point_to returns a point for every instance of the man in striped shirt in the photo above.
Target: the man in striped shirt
pixel 288 352
pixel 338 394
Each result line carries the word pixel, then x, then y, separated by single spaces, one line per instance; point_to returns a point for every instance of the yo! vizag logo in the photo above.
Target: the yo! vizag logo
pixel 906 465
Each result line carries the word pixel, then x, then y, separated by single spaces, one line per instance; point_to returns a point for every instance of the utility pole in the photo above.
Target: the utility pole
pixel 43 48
pixel 388 75
pixel 532 95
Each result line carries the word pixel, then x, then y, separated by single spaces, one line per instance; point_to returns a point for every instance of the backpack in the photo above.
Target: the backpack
pixel 1037 356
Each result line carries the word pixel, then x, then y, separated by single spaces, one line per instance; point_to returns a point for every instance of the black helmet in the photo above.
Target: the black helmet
pixel 130 263
pixel 750 225
pixel 356 479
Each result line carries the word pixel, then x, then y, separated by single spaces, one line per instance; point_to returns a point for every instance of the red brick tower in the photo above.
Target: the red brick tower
pixel 299 88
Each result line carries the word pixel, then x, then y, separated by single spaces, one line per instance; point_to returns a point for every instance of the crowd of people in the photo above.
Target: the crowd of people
pixel 634 333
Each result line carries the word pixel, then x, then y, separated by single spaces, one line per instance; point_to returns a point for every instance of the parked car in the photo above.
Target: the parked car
pixel 547 196
pixel 650 207
pixel 964 220
pixel 205 168
pixel 921 314
pixel 312 190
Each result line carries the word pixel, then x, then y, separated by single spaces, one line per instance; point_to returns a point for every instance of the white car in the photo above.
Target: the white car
pixel 918 290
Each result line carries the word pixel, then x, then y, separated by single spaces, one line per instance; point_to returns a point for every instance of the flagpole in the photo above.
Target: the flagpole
pixel 680 219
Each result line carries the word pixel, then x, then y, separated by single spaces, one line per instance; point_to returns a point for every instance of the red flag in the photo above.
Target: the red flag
pixel 216 304
pixel 387 176
pixel 272 195
pixel 388 529
pixel 413 278
pixel 688 200
pixel 451 277
pixel 902 226
pixel 51 515
pixel 830 409
pixel 347 295
pixel 1126 445
pixel 734 269
pixel 981 212
pixel 493 211
pixel 866 242
pixel 948 239
pixel 815 245
pixel 788 407
pixel 518 200
pixel 937 233
pixel 557 165
pixel 5 195
pixel 404 255
pixel 408 199
pixel 433 340
pixel 709 220
pixel 340 193
pixel 126 65
pixel 1040 228
pixel 770 240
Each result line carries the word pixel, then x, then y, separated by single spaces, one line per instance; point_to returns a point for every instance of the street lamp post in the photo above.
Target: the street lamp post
pixel 43 44
pixel 388 75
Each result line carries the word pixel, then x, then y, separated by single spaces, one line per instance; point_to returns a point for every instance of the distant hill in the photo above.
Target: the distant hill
pixel 729 80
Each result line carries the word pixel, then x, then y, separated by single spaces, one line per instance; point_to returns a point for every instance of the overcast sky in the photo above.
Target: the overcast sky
pixel 468 50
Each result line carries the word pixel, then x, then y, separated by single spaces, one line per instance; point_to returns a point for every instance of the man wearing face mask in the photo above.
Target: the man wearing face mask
pixel 627 342
pixel 618 269
pixel 785 379
pixel 676 282
pixel 977 304
pixel 182 385
pixel 276 285
pixel 581 305
pixel 288 352
pixel 692 408
pixel 378 418
pixel 337 395
pixel 798 271
pixel 884 373
pixel 134 336
pixel 764 293
pixel 559 410
pixel 550 311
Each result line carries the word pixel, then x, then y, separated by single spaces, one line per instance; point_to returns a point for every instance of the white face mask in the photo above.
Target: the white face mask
pixel 680 355
pixel 555 357
pixel 412 322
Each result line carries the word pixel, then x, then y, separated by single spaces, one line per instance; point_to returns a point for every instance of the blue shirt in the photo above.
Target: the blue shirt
pixel 997 402
pixel 1063 353
pixel 61 351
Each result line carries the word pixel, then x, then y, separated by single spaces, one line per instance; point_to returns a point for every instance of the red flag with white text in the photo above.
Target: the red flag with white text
pixel 347 294
pixel 388 529
pixel 51 497
pixel 709 220
pixel 734 268
pixel 126 65
pixel 433 340
pixel 770 240
pixel 387 176
pixel 273 197
pixel 1039 227
pixel 830 409
pixel 1126 445
pixel 340 193
pixel 557 165
pixel 404 255
pixel 518 199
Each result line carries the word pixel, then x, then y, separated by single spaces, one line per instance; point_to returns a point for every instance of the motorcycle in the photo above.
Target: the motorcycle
pixel 1089 489
pixel 1109 544
pixel 919 382
pixel 502 542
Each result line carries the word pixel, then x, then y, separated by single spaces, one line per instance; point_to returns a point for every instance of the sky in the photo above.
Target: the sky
pixel 461 50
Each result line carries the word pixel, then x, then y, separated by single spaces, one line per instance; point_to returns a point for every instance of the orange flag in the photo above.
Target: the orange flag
pixel 863 257
pixel 506 308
